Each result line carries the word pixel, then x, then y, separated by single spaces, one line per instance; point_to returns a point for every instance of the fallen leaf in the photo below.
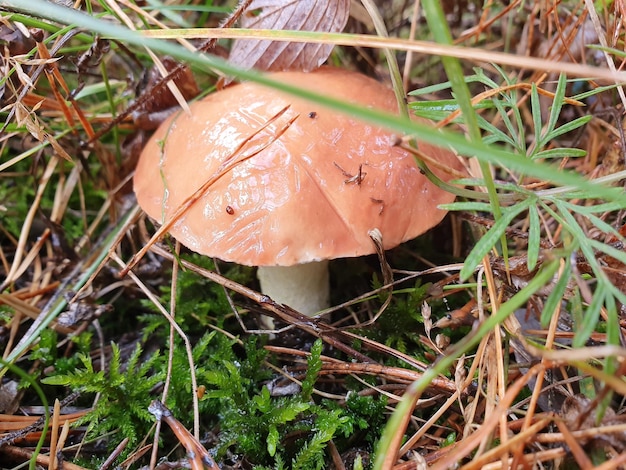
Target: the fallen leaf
pixel 9 397
pixel 579 413
pixel 300 15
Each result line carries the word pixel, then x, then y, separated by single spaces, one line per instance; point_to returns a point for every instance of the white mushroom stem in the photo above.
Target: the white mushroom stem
pixel 304 287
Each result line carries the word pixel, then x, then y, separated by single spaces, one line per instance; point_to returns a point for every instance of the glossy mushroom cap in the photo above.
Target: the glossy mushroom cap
pixel 291 193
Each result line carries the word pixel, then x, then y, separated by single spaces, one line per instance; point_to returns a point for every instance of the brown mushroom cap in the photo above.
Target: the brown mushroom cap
pixel 313 193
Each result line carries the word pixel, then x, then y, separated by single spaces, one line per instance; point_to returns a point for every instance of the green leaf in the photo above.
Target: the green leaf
pixel 556 296
pixel 263 401
pixel 595 208
pixel 493 134
pixel 491 238
pixel 560 153
pixel 314 366
pixel 557 105
pixel 513 135
pixel 595 91
pixel 590 318
pixel 289 412
pixel 467 206
pixel 272 440
pixel 312 454
pixel 565 128
pixel 57 380
pixel 537 121
pixel 587 247
pixel 446 106
pixel 435 110
pixel 534 238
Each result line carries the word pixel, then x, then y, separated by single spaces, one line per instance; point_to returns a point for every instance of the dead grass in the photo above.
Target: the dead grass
pixel 498 364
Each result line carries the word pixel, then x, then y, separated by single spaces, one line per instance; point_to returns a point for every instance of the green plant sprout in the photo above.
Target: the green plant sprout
pixel 525 187
pixel 558 205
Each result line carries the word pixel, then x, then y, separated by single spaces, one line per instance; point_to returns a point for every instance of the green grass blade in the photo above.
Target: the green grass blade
pixel 437 22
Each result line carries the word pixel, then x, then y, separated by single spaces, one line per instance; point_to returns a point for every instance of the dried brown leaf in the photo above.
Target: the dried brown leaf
pixel 300 15
pixel 28 119
pixel 9 397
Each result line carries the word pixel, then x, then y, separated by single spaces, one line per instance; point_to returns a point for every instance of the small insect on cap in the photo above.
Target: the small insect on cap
pixel 287 181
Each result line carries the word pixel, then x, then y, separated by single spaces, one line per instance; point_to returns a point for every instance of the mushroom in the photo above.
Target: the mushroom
pixel 292 184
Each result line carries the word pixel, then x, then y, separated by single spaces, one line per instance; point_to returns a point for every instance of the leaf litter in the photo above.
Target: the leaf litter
pixel 491 408
pixel 299 15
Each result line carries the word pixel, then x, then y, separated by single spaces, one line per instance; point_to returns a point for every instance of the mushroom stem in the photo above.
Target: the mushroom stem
pixel 304 287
